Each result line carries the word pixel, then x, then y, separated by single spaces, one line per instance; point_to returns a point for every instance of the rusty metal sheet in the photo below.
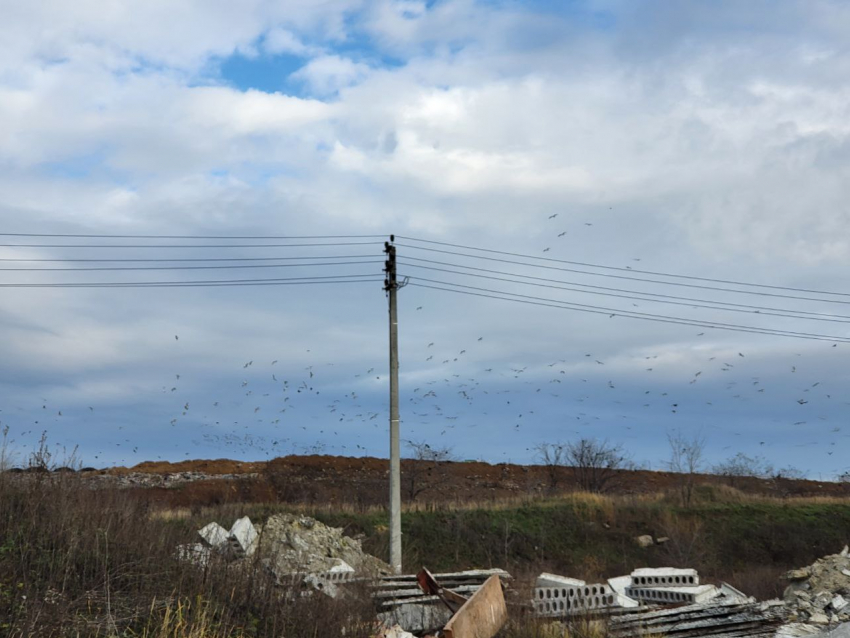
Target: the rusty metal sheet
pixel 482 616
pixel 429 585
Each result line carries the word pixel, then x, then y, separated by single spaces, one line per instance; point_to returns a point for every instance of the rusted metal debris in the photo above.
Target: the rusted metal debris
pixel 430 586
pixel 403 600
pixel 482 616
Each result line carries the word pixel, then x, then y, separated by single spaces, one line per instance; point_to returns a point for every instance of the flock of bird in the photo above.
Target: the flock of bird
pixel 461 392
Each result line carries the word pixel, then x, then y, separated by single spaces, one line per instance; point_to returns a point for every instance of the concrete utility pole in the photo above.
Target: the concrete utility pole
pixel 391 286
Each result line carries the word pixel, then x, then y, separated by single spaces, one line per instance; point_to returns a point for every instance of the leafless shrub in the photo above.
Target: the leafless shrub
pixel 686 460
pixel 424 468
pixel 553 457
pixel 595 464
pixel 741 466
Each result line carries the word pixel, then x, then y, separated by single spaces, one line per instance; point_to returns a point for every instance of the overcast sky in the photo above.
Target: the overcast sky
pixel 706 139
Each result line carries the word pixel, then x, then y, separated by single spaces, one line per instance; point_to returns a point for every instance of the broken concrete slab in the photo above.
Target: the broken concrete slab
pixel 563 601
pixel 618 585
pixel 553 580
pixel 418 618
pixel 243 537
pixel 214 534
pixel 731 594
pixel 674 595
pixel 482 616
pixel 668 576
pixel 697 621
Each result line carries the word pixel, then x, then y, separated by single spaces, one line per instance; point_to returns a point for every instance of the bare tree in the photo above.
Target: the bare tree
pixel 686 460
pixel 595 464
pixel 741 466
pixel 424 468
pixel 553 457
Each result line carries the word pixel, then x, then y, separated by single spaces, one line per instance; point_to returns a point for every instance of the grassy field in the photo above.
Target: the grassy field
pixel 81 562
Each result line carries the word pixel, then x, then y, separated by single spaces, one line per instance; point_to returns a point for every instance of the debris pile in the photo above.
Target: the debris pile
pixel 238 542
pixel 424 602
pixel 302 545
pixel 820 593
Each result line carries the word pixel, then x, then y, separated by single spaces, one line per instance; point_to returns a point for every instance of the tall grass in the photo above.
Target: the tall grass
pixel 77 562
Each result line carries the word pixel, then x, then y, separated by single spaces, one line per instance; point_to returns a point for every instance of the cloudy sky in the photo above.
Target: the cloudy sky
pixel 605 145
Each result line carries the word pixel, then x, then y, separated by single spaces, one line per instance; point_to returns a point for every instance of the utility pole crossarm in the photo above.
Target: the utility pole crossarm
pixel 391 287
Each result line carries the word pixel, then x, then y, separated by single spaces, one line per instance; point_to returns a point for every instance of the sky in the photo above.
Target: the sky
pixel 618 150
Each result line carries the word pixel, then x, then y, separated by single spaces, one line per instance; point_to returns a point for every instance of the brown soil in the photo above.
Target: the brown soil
pixel 361 482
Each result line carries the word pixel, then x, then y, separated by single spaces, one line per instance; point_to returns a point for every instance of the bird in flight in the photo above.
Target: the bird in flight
pixel 553 216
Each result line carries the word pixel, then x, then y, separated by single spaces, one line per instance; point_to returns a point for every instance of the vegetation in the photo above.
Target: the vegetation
pixel 77 561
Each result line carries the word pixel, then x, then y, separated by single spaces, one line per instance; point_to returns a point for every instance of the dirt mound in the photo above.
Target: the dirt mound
pixel 820 593
pixel 200 466
pixel 300 544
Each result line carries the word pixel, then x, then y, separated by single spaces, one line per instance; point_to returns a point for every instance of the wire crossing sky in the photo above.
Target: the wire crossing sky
pixel 615 219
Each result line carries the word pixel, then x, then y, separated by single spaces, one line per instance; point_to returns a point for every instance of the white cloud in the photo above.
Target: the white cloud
pixel 685 144
pixel 328 74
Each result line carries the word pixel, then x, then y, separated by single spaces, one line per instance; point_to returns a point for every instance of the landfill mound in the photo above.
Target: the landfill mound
pixel 300 544
pixel 820 593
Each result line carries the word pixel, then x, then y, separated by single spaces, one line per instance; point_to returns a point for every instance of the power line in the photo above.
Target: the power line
pixel 83 236
pixel 620 268
pixel 361 243
pixel 123 268
pixel 640 279
pixel 682 301
pixel 630 313
pixel 202 283
pixel 177 259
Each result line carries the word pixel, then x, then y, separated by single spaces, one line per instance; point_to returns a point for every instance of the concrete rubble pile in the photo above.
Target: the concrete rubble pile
pixel 820 593
pixel 291 545
pixel 294 549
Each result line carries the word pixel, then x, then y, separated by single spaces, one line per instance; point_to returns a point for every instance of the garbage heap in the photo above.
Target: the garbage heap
pixel 820 593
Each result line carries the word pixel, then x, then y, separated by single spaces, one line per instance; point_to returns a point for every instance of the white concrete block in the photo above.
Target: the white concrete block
pixel 665 576
pixel 245 536
pixel 562 601
pixel 214 534
pixel 673 595
pixel 341 567
pixel 838 602
pixel 553 580
pixel 618 585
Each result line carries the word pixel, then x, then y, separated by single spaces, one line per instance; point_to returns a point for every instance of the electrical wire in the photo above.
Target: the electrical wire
pixel 200 283
pixel 360 243
pixel 123 268
pixel 177 259
pixel 620 268
pixel 660 319
pixel 682 301
pixel 82 236
pixel 630 313
pixel 640 279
